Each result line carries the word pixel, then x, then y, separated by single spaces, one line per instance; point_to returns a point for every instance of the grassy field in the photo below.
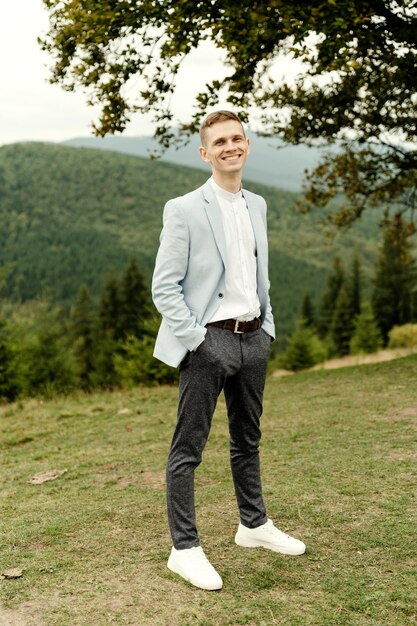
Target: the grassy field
pixel 339 470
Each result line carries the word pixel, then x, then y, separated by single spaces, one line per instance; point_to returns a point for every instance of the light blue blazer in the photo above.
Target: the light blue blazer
pixel 189 278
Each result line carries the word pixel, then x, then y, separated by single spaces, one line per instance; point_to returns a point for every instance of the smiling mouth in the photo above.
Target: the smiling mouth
pixel 234 157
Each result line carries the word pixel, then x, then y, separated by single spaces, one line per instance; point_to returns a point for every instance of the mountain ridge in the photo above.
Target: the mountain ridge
pixel 270 163
pixel 69 214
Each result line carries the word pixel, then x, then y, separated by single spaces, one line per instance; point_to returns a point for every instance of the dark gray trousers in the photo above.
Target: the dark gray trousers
pixel 237 364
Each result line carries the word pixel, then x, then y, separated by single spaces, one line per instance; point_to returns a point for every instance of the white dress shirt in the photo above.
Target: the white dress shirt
pixel 240 300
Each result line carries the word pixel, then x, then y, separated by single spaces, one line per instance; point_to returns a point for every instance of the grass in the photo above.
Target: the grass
pixel 339 471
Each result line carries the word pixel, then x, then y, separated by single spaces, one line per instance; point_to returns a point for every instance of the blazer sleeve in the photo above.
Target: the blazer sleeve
pixel 268 323
pixel 170 269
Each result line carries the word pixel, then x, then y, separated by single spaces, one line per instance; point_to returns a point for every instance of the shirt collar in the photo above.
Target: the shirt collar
pixel 223 193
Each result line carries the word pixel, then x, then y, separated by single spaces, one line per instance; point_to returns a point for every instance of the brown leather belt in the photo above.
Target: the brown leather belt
pixel 236 326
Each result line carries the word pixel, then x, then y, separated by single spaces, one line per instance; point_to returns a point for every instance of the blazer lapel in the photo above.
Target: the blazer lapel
pixel 214 216
pixel 258 228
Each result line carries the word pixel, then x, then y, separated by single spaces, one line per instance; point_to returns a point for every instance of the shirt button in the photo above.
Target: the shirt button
pixel 220 295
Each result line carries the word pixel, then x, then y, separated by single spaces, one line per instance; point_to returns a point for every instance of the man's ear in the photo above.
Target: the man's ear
pixel 248 142
pixel 203 154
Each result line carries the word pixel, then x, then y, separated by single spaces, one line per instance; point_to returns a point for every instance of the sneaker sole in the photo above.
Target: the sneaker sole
pixel 251 543
pixel 177 570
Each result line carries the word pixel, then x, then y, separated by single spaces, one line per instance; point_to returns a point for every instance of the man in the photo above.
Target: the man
pixel 211 287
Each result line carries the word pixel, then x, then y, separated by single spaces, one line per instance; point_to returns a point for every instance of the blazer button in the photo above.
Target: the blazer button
pixel 220 295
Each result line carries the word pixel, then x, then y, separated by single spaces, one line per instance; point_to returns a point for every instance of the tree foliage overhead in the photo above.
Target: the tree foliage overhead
pixel 356 86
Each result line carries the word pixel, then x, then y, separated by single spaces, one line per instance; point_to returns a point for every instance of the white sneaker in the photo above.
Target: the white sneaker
pixel 270 537
pixel 193 565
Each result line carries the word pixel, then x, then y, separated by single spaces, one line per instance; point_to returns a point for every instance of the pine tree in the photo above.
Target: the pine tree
pixel 354 288
pixel 108 334
pixel 335 281
pixel 49 362
pixel 366 336
pixel 109 314
pixel 83 323
pixel 134 301
pixel 298 354
pixel 304 349
pixel 308 317
pixel 395 277
pixel 9 387
pixel 342 324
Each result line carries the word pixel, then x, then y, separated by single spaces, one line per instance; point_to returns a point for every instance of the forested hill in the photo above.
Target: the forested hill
pixel 69 214
pixel 271 163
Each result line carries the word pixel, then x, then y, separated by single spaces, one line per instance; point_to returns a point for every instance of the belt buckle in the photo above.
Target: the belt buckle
pixel 235 330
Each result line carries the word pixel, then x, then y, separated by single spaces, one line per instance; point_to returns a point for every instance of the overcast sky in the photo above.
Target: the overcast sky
pixel 33 109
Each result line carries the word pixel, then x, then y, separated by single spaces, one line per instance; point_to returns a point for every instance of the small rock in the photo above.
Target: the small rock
pixel 14 572
pixel 43 477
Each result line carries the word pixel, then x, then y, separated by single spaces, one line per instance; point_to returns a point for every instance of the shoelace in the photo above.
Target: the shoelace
pixel 272 530
pixel 198 556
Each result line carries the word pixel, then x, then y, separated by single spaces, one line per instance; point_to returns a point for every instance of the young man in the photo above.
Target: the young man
pixel 211 287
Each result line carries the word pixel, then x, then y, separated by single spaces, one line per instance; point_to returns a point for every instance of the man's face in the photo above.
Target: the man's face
pixel 225 147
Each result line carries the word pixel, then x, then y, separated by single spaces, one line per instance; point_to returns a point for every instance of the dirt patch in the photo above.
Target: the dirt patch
pixel 280 373
pixel 21 617
pixel 410 411
pixel 365 359
pixel 403 415
pixel 153 479
pixel 358 359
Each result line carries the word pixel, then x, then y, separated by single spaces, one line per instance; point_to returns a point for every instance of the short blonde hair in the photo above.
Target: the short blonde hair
pixel 213 118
